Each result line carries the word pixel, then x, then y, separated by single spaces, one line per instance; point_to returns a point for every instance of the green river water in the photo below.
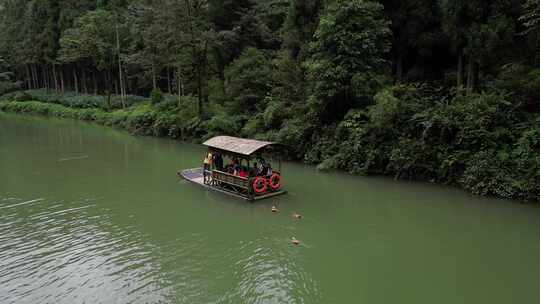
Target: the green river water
pixel 94 215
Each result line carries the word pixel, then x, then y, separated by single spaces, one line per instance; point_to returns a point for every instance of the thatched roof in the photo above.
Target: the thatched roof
pixel 237 145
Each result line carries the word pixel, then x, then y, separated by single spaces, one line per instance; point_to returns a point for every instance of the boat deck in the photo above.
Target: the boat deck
pixel 195 176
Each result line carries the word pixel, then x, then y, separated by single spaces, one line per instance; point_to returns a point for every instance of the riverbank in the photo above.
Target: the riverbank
pixel 472 152
pixel 140 119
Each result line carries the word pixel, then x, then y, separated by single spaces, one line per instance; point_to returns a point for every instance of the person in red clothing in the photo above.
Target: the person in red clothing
pixel 243 173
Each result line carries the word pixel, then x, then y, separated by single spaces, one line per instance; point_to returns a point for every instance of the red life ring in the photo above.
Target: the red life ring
pixel 275 181
pixel 259 185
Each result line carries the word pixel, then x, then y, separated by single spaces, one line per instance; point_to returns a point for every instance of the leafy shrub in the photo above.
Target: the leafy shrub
pixel 255 125
pixel 130 100
pixel 489 173
pixel 166 124
pixel 483 142
pixel 140 119
pixel 295 135
pixel 249 79
pixel 275 113
pixel 221 124
pixel 73 100
pixel 9 86
pixel 169 103
pixel 156 96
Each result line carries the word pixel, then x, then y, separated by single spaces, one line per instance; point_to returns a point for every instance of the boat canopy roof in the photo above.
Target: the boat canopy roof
pixel 237 145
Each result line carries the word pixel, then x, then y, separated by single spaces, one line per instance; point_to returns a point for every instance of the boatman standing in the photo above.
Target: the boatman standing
pixel 207 167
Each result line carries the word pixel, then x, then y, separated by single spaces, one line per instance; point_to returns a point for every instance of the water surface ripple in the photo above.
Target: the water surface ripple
pixel 54 252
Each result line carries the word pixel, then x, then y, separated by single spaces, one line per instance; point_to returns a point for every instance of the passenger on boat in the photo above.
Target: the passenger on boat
pixel 261 168
pixel 269 171
pixel 254 171
pixel 250 171
pixel 218 161
pixel 207 166
pixel 243 173
pixel 235 166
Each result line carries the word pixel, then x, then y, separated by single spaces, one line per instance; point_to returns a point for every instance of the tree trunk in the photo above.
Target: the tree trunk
pixel 28 78
pixel 38 79
pixel 154 80
pixel 94 81
pixel 44 76
pixel 75 80
pixel 48 77
pixel 199 89
pixel 470 75
pixel 115 80
pixel 180 85
pixel 55 78
pixel 205 73
pixel 83 80
pixel 169 79
pixel 476 76
pixel 120 74
pixel 104 82
pixel 62 85
pixel 108 80
pixel 196 56
pixel 109 89
pixel 460 72
pixel 127 87
pixel 34 76
pixel 399 68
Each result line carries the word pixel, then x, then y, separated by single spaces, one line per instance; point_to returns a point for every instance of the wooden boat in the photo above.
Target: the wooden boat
pixel 237 179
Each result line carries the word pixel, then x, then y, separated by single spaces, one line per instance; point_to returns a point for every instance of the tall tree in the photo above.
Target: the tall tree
pixel 348 55
pixel 300 25
pixel 249 79
pixel 531 20
pixel 94 38
pixel 477 29
pixel 195 33
pixel 416 34
pixel 531 16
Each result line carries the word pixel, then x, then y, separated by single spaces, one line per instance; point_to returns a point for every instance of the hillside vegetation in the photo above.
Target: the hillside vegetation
pixel 439 90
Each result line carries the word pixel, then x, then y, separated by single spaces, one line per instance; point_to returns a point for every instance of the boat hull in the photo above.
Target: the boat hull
pixel 195 176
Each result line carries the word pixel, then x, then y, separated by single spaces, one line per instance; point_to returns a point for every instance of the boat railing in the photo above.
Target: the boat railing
pixel 230 179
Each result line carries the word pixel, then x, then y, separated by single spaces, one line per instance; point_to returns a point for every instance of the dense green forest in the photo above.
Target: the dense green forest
pixel 439 90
